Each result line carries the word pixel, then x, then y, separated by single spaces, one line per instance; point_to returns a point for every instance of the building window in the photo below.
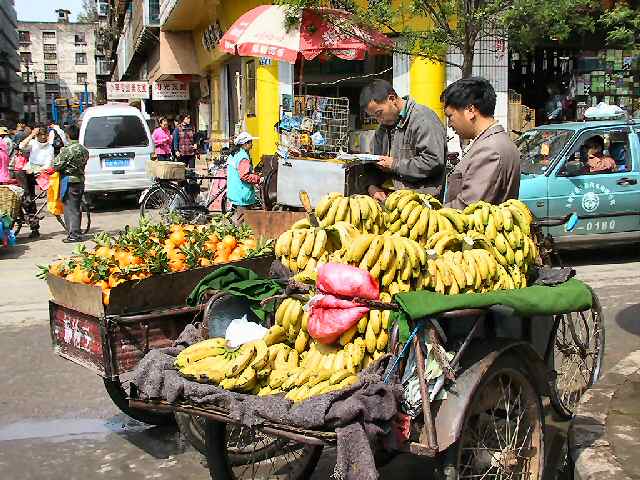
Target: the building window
pixel 51 87
pixel 50 56
pixel 50 76
pixel 80 38
pixel 81 78
pixel 103 9
pixel 24 36
pixel 25 57
pixel 251 87
pixel 81 58
pixel 154 12
pixel 50 67
pixel 48 36
pixel 50 47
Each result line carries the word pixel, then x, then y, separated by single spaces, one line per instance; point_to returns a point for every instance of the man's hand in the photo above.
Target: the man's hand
pixel 377 193
pixel 385 162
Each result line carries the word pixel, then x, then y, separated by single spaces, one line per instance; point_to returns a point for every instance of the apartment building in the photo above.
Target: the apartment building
pixel 10 82
pixel 58 62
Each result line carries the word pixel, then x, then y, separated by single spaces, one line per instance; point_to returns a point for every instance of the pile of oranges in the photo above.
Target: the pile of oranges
pixel 151 249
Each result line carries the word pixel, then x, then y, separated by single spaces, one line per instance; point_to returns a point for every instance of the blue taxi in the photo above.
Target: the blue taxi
pixel 557 180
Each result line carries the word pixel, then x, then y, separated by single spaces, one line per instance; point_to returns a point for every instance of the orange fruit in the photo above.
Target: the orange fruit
pixel 230 242
pixel 178 237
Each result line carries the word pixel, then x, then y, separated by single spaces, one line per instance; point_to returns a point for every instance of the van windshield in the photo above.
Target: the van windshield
pixel 115 131
pixel 539 148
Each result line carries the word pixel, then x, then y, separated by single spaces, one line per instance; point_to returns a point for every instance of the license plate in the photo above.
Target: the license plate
pixel 117 162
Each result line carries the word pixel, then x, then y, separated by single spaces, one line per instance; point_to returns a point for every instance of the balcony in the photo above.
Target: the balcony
pixel 177 15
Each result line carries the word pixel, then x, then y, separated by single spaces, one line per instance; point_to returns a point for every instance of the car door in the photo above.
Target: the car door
pixel 604 202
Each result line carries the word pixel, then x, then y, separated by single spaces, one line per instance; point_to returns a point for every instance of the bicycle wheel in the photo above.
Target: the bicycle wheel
pixel 289 460
pixel 160 201
pixel 578 351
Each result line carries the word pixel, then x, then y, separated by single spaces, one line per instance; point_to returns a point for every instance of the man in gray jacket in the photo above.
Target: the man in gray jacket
pixel 411 140
pixel 490 166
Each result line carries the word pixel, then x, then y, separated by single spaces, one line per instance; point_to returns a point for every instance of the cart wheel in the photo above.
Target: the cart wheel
pixel 119 397
pixel 502 433
pixel 255 454
pixel 578 351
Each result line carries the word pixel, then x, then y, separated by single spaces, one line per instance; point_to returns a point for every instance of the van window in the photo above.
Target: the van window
pixel 115 131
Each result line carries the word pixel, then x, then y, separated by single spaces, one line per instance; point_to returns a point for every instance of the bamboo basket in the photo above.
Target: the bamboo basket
pixel 9 202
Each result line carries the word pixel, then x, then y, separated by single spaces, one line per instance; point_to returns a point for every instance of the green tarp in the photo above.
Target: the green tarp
pixel 570 296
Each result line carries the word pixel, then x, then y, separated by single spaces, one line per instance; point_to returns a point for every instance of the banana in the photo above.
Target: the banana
pixel 274 335
pixel 359 247
pixel 510 255
pixel 301 341
pixel 277 378
pixel 347 336
pixel 354 208
pixel 481 263
pixel 498 219
pixel 370 338
pixel 302 260
pixel 339 375
pixel 485 210
pixel 501 243
pixel 358 351
pixel 319 243
pixel 518 236
pixel 449 241
pixel 454 289
pixel 375 211
pixel 330 217
pixel 507 218
pixel 343 208
pixel 340 361
pixel 455 217
pixel 414 216
pixel 501 258
pixel 525 248
pixel 392 199
pixel 293 359
pixel 262 355
pixel 422 224
pixel 519 257
pixel 288 316
pixel 247 380
pixel 491 263
pixel 283 244
pixel 323 206
pixel 491 231
pixel 456 270
pixel 444 225
pixel 237 365
pixel 352 380
pixel 375 320
pixel 473 268
pixel 432 228
pixel 200 350
pixel 405 199
pixel 408 209
pixel 478 221
pixel 373 253
pixel 383 339
pixel 520 205
pixel 302 224
pixel 296 242
pixel 443 272
pixel 362 324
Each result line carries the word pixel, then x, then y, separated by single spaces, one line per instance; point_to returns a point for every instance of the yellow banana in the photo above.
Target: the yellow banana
pixel 323 206
pixel 501 243
pixel 507 218
pixel 330 217
pixel 359 247
pixel 362 323
pixel 455 217
pixel 347 336
pixel 274 335
pixel 283 244
pixel 432 228
pixel 405 199
pixel 354 208
pixel 296 242
pixel 383 339
pixel 370 339
pixel 319 243
pixel 491 231
pixel 238 364
pixel 373 253
pixel 301 341
pixel 309 242
pixel 498 219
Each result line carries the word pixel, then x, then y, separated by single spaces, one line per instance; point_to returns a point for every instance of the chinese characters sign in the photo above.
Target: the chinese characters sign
pixel 127 90
pixel 170 90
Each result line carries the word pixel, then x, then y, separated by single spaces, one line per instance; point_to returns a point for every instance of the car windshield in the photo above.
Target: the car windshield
pixel 539 148
pixel 115 131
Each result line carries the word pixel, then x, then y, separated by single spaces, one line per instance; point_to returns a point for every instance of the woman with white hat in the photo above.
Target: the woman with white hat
pixel 240 176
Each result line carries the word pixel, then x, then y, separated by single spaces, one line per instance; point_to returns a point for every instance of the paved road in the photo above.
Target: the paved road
pixel 56 421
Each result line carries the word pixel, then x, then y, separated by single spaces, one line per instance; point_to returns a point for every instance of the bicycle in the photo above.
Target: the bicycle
pixel 28 217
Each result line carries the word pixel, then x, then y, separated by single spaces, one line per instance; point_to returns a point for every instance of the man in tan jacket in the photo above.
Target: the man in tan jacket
pixel 490 166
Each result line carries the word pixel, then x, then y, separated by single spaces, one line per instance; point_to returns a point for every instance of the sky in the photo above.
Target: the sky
pixel 44 10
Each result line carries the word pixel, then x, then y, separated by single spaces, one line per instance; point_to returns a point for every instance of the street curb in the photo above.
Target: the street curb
pixel 590 448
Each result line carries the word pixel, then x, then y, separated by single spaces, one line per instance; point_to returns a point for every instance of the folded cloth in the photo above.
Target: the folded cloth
pixel 241 282
pixel 570 296
pixel 553 276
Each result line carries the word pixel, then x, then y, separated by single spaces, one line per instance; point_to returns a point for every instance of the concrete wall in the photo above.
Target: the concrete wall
pixel 10 82
pixel 67 70
pixel 177 54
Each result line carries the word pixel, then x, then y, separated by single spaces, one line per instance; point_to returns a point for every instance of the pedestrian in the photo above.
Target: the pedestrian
pixel 71 163
pixel 597 161
pixel 41 154
pixel 183 142
pixel 411 140
pixel 240 177
pixel 490 166
pixel 5 136
pixel 5 176
pixel 162 140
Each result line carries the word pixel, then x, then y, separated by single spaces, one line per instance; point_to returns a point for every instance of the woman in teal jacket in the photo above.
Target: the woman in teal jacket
pixel 240 176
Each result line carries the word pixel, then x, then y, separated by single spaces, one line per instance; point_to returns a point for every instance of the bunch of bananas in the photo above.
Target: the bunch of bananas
pixel 293 320
pixel 303 248
pixel 361 211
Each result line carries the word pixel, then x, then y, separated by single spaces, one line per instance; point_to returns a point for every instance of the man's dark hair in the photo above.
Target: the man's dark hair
pixel 73 132
pixel 376 91
pixel 183 116
pixel 476 91
pixel 594 142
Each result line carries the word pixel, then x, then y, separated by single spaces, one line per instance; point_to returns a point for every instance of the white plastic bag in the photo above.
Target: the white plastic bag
pixel 241 331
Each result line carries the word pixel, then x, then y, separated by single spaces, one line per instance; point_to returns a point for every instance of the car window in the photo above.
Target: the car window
pixel 540 147
pixel 115 131
pixel 603 152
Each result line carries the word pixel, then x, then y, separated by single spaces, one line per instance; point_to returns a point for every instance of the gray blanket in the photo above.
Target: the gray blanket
pixel 360 415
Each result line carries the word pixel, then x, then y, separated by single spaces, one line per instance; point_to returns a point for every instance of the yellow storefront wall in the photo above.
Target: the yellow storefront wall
pixel 427 80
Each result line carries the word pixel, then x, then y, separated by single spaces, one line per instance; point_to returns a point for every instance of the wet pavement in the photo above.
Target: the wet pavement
pixel 56 421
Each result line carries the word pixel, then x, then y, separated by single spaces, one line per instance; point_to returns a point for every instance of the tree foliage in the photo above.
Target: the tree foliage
pixel 430 28
pixel 623 26
pixel 89 12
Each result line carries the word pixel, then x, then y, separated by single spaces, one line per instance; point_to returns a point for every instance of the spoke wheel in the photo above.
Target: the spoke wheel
pixel 160 201
pixel 239 452
pixel 578 350
pixel 117 393
pixel 502 434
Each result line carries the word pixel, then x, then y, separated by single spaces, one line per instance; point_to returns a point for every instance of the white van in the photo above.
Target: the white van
pixel 119 143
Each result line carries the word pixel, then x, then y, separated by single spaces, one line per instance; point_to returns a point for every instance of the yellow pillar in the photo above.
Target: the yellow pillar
pixel 427 82
pixel 267 111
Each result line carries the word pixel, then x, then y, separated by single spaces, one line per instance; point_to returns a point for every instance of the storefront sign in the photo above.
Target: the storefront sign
pixel 170 90
pixel 211 36
pixel 127 90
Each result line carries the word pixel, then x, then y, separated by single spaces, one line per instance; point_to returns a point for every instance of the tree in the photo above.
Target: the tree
pixel 430 28
pixel 623 26
pixel 89 13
